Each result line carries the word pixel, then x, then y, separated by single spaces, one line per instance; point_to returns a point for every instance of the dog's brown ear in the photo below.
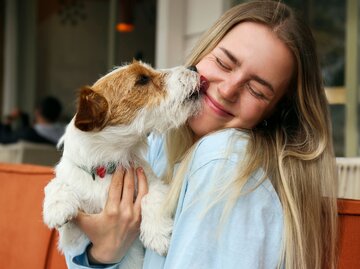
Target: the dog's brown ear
pixel 92 110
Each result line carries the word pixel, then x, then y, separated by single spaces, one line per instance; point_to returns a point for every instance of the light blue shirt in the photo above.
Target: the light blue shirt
pixel 250 236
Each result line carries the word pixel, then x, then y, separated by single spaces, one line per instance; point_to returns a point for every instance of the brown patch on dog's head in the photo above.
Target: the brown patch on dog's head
pixel 92 110
pixel 129 89
pixel 117 97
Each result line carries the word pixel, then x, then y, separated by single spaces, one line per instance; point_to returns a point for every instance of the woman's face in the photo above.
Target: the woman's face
pixel 248 73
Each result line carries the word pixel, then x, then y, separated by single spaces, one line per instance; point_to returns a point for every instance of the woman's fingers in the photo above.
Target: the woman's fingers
pixel 116 187
pixel 129 186
pixel 142 187
pixel 122 197
pixel 114 229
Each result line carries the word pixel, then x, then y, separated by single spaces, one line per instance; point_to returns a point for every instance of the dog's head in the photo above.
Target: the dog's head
pixel 157 99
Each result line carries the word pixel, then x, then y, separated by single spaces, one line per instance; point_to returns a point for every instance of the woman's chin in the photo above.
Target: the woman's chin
pixel 201 125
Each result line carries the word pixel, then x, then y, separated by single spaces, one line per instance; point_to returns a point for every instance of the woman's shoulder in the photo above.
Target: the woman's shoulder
pixel 227 144
pixel 218 155
pixel 262 192
pixel 219 139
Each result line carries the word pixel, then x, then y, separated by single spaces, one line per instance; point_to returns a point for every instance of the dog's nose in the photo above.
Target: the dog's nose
pixel 193 68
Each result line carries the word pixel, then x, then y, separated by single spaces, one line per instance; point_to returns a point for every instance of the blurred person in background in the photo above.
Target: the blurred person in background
pixel 46 128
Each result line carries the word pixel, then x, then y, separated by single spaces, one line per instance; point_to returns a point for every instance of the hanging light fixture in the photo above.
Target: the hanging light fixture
pixel 126 23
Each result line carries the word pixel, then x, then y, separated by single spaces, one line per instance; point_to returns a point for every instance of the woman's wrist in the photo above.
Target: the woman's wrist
pixel 94 257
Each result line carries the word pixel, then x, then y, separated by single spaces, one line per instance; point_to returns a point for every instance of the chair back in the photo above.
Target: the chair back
pixel 349 242
pixel 25 241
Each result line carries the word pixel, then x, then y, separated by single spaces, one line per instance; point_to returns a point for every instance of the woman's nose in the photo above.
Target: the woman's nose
pixel 229 91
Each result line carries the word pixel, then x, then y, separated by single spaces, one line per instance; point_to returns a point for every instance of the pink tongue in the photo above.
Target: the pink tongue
pixel 204 83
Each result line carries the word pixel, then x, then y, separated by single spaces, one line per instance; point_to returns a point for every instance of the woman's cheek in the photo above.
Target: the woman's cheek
pixel 253 113
pixel 206 67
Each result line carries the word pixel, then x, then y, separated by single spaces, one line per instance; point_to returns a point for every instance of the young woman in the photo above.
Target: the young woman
pixel 253 179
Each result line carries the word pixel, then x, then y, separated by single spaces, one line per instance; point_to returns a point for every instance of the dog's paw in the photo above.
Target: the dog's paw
pixel 58 214
pixel 155 229
pixel 158 241
pixel 60 205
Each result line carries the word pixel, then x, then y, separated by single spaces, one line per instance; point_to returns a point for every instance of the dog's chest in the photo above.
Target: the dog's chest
pixel 94 193
pixel 91 191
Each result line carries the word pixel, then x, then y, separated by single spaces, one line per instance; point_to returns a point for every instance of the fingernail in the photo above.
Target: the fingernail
pixel 140 170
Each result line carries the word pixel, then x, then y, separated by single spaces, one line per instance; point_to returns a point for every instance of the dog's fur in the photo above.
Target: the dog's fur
pixel 111 125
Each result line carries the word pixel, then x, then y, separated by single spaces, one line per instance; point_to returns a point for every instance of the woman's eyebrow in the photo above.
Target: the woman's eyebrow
pixel 230 56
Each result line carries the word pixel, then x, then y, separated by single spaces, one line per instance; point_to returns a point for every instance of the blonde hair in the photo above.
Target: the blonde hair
pixel 295 149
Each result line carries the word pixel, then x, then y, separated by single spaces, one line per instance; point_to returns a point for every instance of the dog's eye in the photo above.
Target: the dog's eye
pixel 142 80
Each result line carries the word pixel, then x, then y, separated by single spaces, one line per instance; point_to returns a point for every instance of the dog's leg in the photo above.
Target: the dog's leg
pixel 61 204
pixel 71 239
pixel 155 229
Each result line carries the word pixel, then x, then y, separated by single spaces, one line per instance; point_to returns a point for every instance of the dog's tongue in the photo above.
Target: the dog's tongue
pixel 204 84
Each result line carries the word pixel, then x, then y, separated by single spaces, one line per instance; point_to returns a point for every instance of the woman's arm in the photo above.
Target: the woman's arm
pixel 113 230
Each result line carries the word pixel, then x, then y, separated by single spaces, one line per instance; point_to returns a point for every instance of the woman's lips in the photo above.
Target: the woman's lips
pixel 204 84
pixel 216 107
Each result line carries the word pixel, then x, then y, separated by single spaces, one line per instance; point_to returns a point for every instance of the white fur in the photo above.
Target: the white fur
pixel 73 189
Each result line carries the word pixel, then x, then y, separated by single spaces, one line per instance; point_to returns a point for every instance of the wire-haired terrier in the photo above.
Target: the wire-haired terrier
pixel 109 129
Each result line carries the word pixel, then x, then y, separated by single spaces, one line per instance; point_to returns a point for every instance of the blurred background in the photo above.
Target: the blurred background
pixel 53 47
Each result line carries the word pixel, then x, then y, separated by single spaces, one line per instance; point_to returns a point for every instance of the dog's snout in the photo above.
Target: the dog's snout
pixel 193 68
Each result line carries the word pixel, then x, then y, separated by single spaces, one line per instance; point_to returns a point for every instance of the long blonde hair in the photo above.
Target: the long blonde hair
pixel 295 148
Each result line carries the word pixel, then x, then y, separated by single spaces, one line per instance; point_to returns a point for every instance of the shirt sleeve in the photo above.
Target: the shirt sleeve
pixel 250 236
pixel 81 261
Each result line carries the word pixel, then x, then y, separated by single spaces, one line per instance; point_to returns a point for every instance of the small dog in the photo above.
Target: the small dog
pixel 110 128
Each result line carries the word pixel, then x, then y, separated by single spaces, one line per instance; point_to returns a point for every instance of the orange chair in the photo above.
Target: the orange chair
pixel 349 242
pixel 25 241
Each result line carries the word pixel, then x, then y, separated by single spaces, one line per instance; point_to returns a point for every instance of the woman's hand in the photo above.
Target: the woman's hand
pixel 114 229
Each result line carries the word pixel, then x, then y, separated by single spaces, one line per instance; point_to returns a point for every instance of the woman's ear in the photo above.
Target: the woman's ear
pixel 92 110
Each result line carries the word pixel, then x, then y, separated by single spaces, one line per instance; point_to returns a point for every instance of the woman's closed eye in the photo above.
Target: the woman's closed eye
pixel 222 65
pixel 256 93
